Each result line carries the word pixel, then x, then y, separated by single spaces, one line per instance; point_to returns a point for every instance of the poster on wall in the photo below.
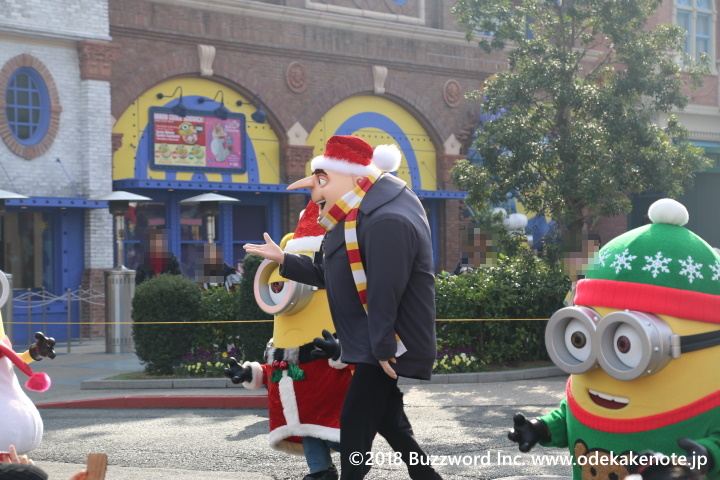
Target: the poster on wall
pixel 197 141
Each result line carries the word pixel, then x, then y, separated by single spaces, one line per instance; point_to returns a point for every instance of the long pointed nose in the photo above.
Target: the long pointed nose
pixel 306 182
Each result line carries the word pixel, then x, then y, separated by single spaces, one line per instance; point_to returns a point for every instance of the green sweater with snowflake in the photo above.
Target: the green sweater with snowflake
pixel 625 436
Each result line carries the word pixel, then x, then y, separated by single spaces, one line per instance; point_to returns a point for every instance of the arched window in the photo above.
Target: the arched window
pixel 27 106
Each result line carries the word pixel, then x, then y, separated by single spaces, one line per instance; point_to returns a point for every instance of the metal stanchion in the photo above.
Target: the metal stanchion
pixel 80 313
pixel 7 309
pixel 43 298
pixel 29 315
pixel 69 320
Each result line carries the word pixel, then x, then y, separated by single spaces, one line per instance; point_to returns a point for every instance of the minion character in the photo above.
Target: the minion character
pixel 20 423
pixel 640 344
pixel 181 151
pixel 164 150
pixel 305 393
pixel 196 151
pixel 188 132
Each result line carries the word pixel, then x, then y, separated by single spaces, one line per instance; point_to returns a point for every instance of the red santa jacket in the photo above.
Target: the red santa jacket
pixel 305 398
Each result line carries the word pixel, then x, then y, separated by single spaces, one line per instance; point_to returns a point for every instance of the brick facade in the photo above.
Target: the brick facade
pixel 259 45
pixel 255 53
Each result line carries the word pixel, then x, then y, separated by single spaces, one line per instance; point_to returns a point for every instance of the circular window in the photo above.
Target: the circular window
pixel 27 106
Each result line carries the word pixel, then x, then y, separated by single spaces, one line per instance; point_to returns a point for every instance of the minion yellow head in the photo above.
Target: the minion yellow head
pixel 301 311
pixel 645 325
pixel 186 128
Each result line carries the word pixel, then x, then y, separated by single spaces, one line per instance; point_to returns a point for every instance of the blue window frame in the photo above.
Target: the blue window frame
pixel 28 106
pixel 696 18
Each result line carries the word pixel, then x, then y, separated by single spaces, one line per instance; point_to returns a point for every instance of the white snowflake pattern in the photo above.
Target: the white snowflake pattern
pixel 622 260
pixel 716 270
pixel 657 264
pixel 602 257
pixel 691 269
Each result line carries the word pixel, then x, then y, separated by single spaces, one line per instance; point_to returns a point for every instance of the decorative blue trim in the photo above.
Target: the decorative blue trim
pixel 67 202
pixel 225 231
pixel 448 194
pixel 193 185
pixel 250 187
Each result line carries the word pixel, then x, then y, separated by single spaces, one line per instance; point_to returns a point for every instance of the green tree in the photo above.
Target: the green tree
pixel 580 107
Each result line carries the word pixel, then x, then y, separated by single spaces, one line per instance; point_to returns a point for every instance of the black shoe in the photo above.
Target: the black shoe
pixel 329 474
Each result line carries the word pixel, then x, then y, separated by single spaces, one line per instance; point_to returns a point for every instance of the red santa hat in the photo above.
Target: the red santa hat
pixel 309 234
pixel 38 382
pixel 352 155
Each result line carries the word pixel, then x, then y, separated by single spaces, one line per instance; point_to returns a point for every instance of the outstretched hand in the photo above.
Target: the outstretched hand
pixel 270 250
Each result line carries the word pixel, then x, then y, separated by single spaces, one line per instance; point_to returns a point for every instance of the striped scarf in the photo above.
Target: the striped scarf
pixel 346 208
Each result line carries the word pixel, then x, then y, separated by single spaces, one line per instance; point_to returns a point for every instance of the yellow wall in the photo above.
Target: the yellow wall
pixel 410 131
pixel 134 120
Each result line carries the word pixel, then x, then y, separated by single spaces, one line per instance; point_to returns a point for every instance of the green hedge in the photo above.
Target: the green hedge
pixel 165 298
pixel 173 298
pixel 523 286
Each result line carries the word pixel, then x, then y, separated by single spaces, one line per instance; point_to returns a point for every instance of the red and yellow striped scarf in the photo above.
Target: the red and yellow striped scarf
pixel 346 208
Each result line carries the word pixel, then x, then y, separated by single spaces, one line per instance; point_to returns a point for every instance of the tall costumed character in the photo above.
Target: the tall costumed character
pixel 378 268
pixel 305 393
pixel 641 345
pixel 20 422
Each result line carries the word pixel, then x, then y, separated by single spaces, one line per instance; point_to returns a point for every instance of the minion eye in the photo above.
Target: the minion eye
pixel 276 291
pixel 576 340
pixel 628 346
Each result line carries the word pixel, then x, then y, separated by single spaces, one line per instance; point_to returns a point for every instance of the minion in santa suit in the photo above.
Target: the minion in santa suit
pixel 305 393
pixel 641 344
pixel 20 423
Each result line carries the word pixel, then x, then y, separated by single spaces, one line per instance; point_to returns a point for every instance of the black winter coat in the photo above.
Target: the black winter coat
pixel 396 248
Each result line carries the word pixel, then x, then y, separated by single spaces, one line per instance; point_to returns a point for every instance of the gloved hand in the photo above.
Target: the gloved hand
pixel 327 348
pixel 43 347
pixel 698 463
pixel 527 433
pixel 236 373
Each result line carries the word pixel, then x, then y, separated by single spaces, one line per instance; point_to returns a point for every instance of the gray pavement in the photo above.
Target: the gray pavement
pixel 467 422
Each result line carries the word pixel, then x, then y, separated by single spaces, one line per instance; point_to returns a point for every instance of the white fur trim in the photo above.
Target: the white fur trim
pixel 342 166
pixel 276 437
pixel 293 427
pixel 667 210
pixel 304 244
pixel 257 376
pixel 387 157
pixel 288 400
pixel 336 363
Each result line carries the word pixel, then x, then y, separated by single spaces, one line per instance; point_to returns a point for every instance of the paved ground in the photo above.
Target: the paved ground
pixel 458 422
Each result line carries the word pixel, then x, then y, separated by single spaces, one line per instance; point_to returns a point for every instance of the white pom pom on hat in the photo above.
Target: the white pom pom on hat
pixel 387 158
pixel 668 211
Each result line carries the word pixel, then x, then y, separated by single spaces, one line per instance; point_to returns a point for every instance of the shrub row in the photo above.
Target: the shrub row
pixel 518 287
pixel 173 298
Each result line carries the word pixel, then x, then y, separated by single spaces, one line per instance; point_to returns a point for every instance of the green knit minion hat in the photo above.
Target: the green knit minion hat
pixel 661 268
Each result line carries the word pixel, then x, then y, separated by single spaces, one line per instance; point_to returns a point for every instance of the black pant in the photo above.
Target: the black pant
pixel 374 404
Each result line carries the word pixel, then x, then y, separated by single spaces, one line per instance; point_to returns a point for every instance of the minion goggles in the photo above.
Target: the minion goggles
pixel 625 344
